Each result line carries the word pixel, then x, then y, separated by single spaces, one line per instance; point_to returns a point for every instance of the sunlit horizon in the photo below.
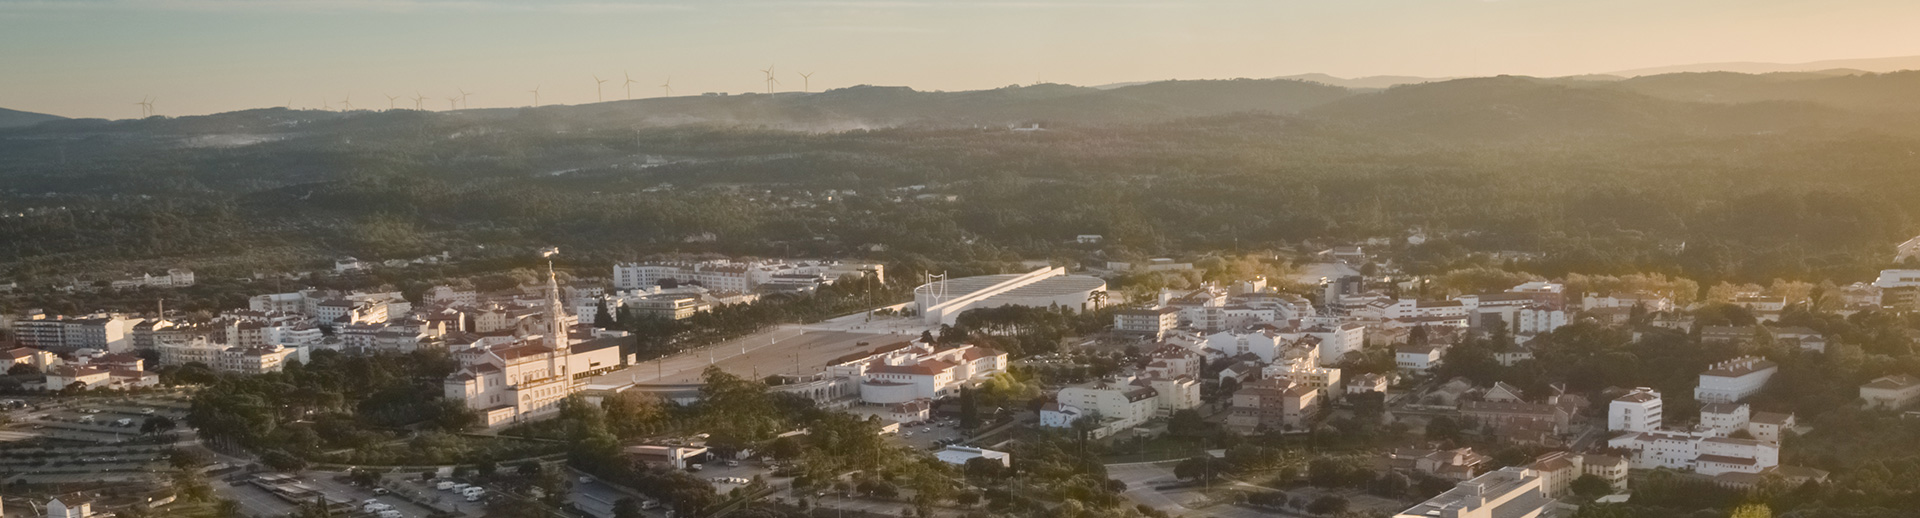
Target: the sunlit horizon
pixel 204 56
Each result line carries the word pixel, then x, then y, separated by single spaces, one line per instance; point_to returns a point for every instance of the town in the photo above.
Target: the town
pixel 702 386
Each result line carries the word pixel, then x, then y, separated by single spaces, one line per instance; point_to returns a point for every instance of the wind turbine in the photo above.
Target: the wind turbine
pixel 668 87
pixel 629 84
pixel 463 98
pixel 597 83
pixel 453 103
pixel 419 101
pixel 390 99
pixel 324 105
pixel 806 82
pixel 770 79
pixel 146 107
pixel 536 95
pixel 347 102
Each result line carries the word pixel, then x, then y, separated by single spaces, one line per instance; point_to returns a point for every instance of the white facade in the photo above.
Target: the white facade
pixel 1637 411
pixel 1891 392
pixel 1702 452
pixel 942 302
pixel 959 455
pixel 527 377
pixel 1734 380
pixel 1534 320
pixel 1119 405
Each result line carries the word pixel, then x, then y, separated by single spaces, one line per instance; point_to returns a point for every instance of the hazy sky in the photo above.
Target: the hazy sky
pixel 94 58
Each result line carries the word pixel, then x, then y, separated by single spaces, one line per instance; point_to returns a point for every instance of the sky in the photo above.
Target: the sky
pixel 96 58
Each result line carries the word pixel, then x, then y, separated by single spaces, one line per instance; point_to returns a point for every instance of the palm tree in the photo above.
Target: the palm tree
pixel 1098 298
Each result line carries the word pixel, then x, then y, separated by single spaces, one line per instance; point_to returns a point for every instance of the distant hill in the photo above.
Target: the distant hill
pixel 1899 91
pixel 1750 67
pixel 1366 83
pixel 858 107
pixel 17 118
pixel 1526 107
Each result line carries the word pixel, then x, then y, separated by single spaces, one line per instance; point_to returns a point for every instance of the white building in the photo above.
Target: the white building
pixel 1734 380
pixel 1702 452
pixel 1891 392
pixel 1417 359
pixel 1151 322
pixel 527 377
pixel 1119 405
pixel 916 370
pixel 941 302
pixel 1510 492
pixel 1637 411
pixel 959 455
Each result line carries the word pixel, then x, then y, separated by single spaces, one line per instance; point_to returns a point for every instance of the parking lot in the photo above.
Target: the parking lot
pixel 86 440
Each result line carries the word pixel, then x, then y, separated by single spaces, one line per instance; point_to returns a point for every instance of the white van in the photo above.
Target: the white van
pixel 474 491
pixel 444 485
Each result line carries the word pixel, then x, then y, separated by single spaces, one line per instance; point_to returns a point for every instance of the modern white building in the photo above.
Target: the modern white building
pixel 1734 380
pixel 1510 492
pixel 1701 451
pixel 1119 404
pixel 959 455
pixel 1637 411
pixel 942 302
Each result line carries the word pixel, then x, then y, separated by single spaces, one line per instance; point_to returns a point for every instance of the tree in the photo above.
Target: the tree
pixel 981 471
pixel 1330 504
pixel 1443 428
pixel 156 425
pixel 280 460
pixel 1755 510
pixel 627 508
pixel 602 318
pixel 969 410
pixel 22 369
pixel 1203 468
pixel 1590 487
pixel 1187 423
pixel 226 509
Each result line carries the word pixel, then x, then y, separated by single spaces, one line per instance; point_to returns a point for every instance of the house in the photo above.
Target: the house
pixel 1418 359
pixel 39 359
pixel 72 507
pixel 1734 380
pixel 62 377
pixel 1369 382
pixel 1727 334
pixel 1799 337
pixel 1495 413
pixel 1119 404
pixel 1559 469
pixel 1636 411
pixel 1891 392
pixel 1456 464
pixel 959 455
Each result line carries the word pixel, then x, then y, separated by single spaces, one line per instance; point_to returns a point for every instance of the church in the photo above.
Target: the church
pixel 526 378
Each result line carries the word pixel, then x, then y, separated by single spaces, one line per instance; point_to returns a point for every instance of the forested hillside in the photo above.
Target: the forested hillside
pixel 1589 176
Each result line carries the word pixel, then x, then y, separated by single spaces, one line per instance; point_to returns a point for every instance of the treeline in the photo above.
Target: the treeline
pixel 334 402
pixel 1805 201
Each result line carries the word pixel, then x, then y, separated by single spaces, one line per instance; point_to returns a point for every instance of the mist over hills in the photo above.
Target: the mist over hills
pixel 1503 106
pixel 1887 64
